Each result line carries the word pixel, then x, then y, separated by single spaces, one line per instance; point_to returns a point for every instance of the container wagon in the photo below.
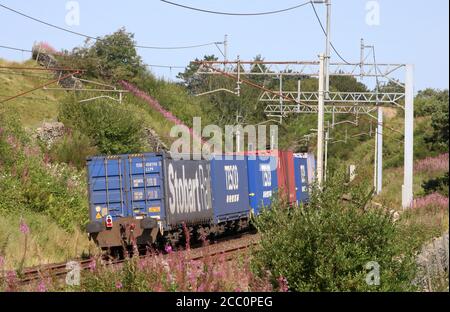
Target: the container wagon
pixel 145 199
pixel 126 199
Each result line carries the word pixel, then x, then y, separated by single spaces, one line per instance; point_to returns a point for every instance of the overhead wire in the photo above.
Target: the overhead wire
pixel 234 13
pixel 325 32
pixel 25 74
pixel 149 65
pixel 15 49
pixel 39 87
pixel 25 50
pixel 262 13
pixel 30 97
pixel 164 66
pixel 99 39
pixel 179 47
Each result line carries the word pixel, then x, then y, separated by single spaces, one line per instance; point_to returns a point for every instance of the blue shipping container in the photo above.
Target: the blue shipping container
pixel 229 185
pixel 262 180
pixel 301 177
pixel 126 186
pixel 144 181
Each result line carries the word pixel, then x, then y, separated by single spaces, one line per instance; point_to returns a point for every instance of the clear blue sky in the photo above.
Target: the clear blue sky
pixel 409 31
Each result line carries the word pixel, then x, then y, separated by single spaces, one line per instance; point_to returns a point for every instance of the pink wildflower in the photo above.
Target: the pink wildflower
pixel 11 280
pixel 24 227
pixel 119 285
pixel 432 200
pixel 283 284
pixel 433 164
pixel 168 248
pixel 201 288
pixel 92 265
pixel 219 273
pixel 45 47
pixel 141 264
pixel 46 159
pixel 41 286
pixel 13 142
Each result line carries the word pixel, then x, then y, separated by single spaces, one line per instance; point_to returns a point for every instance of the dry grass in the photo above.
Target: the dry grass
pixel 35 107
pixel 46 242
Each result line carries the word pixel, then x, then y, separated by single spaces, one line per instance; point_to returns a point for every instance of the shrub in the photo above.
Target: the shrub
pixel 326 245
pixel 426 101
pixel 438 139
pixel 73 149
pixel 439 185
pixel 28 182
pixel 114 129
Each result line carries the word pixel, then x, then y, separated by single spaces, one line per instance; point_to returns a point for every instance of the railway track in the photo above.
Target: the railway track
pixel 228 248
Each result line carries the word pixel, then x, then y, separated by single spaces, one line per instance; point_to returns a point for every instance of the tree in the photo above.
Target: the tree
pixel 426 101
pixel 347 84
pixel 227 108
pixel 111 58
pixel 195 83
pixel 439 123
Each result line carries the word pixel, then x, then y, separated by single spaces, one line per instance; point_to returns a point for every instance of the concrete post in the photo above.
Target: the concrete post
pixel 379 184
pixel 407 190
pixel 320 120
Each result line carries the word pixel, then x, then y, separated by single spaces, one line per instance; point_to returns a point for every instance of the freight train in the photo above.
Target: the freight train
pixel 151 199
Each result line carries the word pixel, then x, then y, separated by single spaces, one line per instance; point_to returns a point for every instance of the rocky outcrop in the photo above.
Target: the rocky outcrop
pixel 48 60
pixel 50 132
pixel 154 141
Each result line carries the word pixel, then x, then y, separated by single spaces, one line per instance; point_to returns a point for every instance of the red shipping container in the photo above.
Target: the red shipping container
pixel 286 177
pixel 285 172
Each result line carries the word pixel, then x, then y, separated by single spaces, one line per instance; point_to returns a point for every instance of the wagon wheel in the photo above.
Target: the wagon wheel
pixel 203 234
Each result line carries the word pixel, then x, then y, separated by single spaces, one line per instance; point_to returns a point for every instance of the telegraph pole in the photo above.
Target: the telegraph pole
pixel 225 51
pixel 225 48
pixel 320 120
pixel 327 47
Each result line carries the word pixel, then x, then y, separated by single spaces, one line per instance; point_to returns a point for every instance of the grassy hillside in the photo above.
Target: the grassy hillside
pixel 38 106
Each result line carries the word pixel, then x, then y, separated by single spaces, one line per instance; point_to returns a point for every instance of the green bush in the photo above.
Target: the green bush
pixel 439 138
pixel 28 183
pixel 426 101
pixel 73 149
pixel 114 128
pixel 438 184
pixel 326 245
